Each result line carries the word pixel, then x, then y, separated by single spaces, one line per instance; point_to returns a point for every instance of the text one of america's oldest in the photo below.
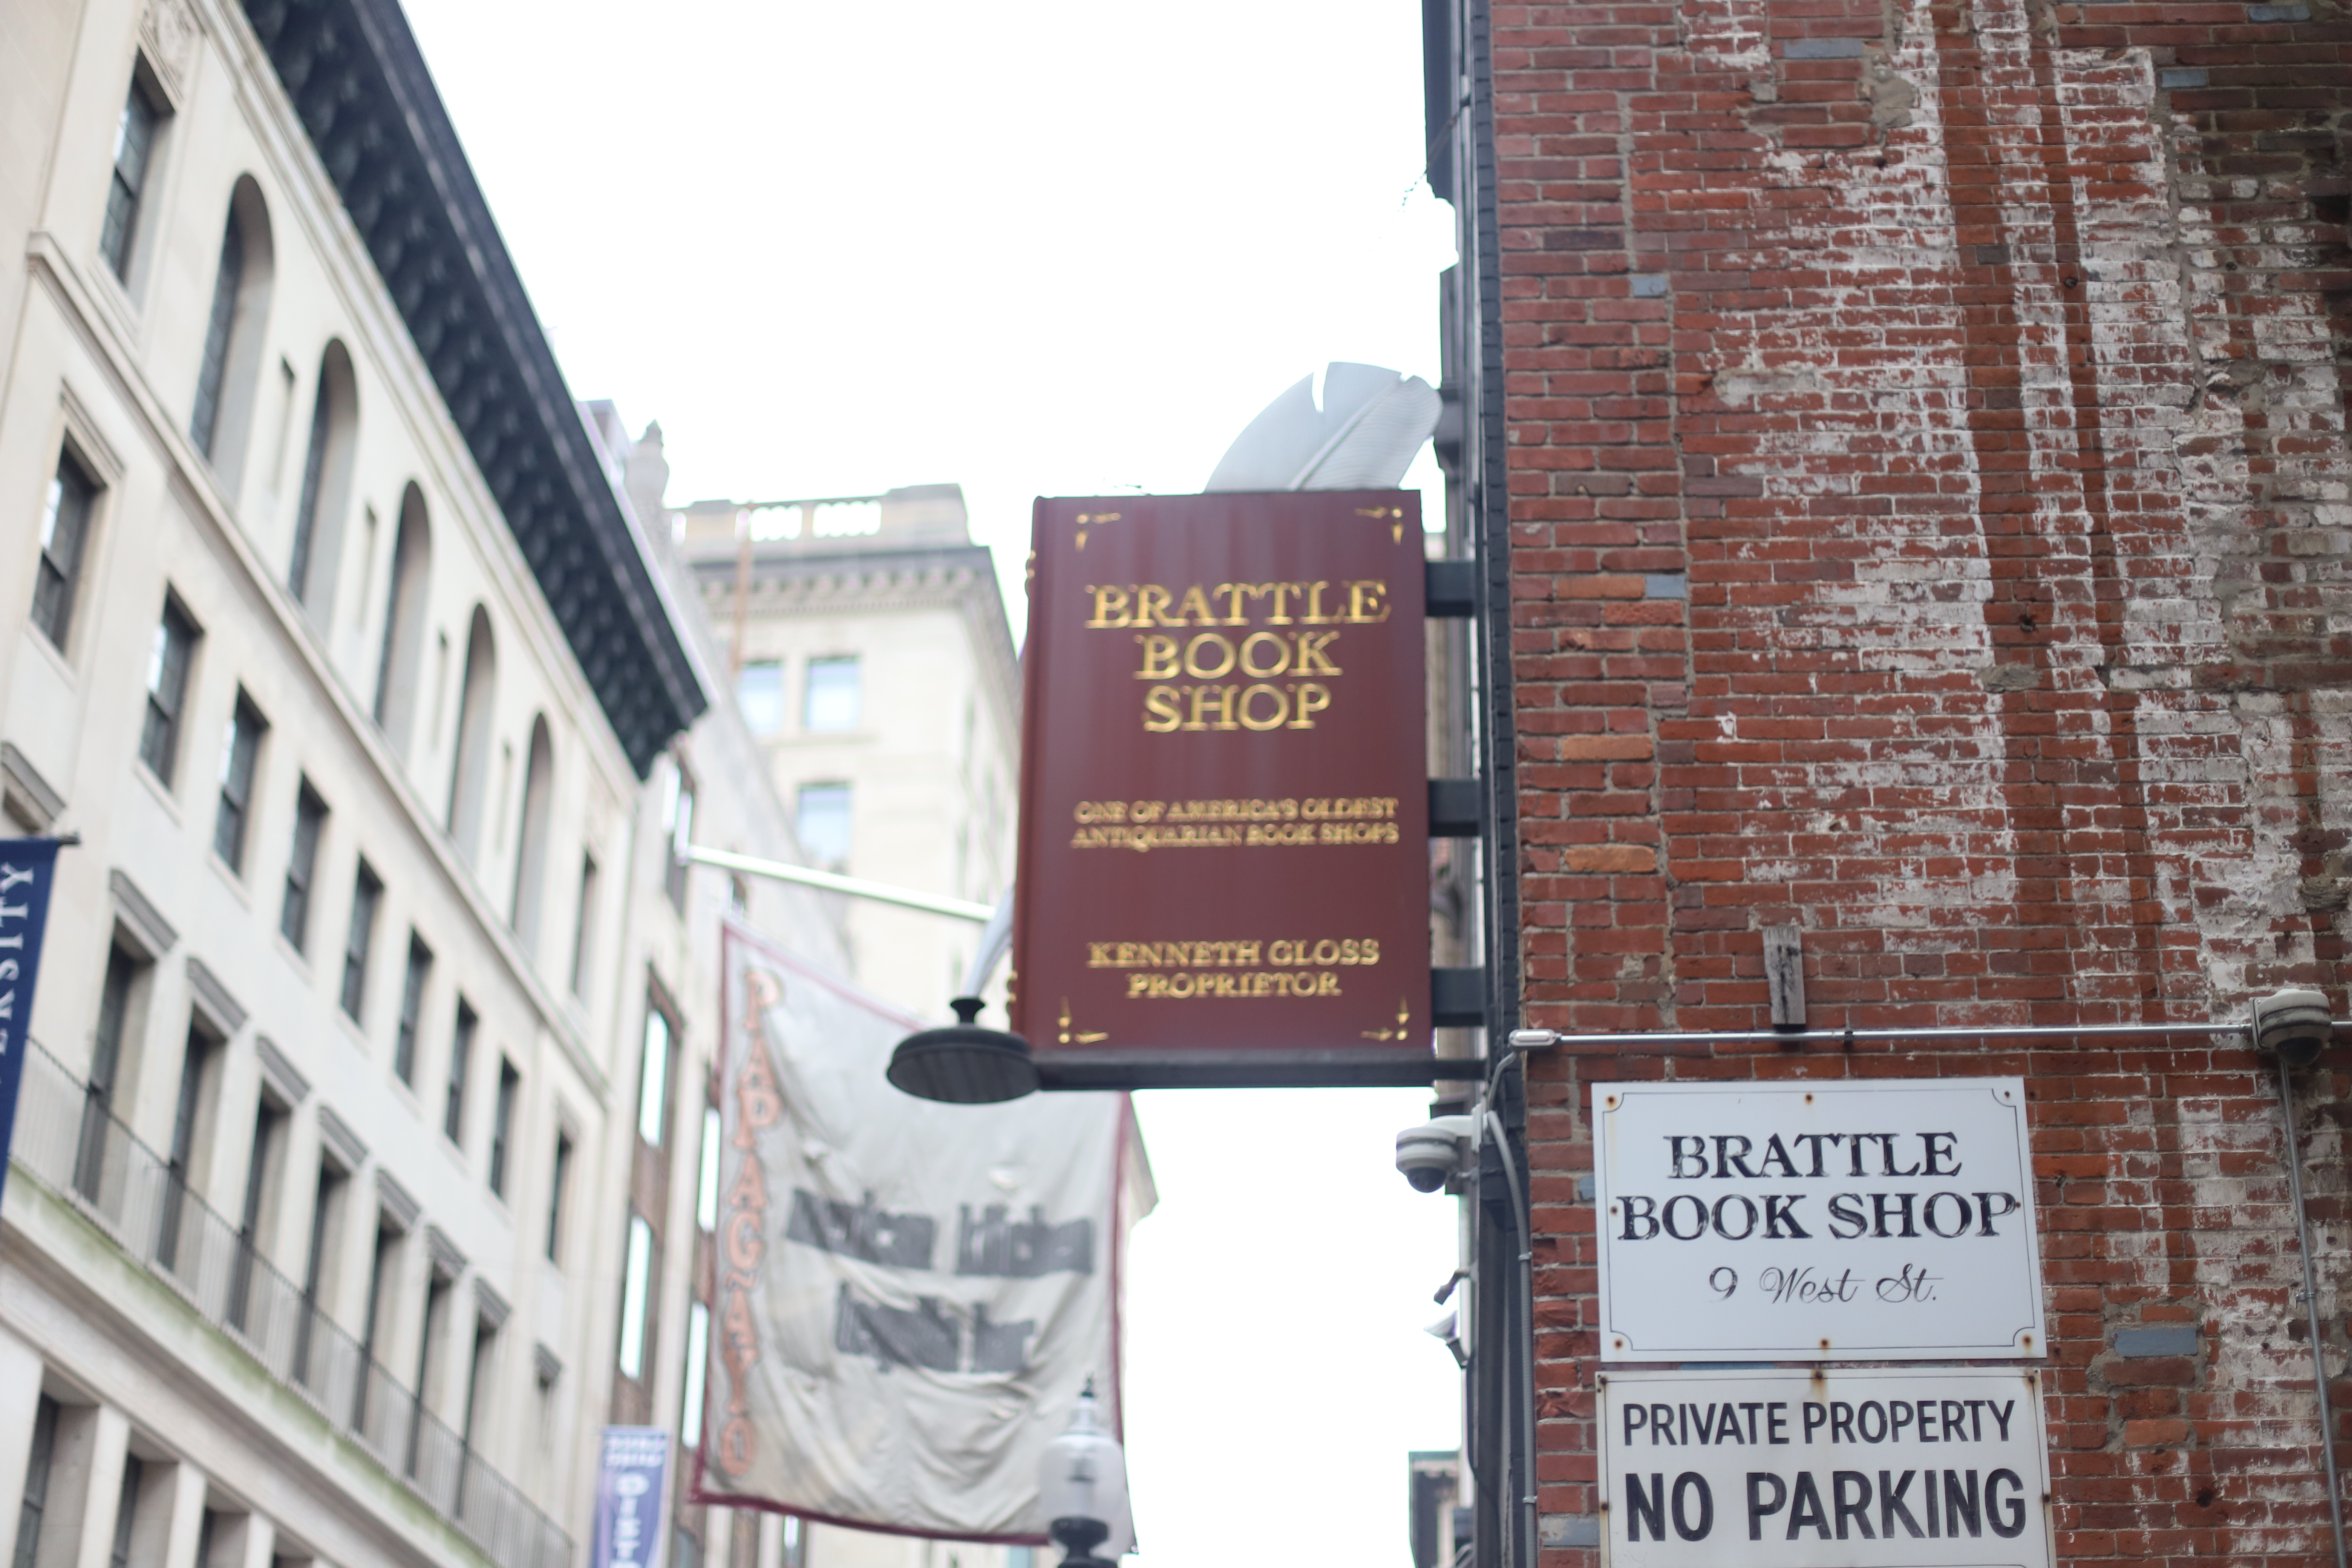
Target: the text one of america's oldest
pixel 1225 808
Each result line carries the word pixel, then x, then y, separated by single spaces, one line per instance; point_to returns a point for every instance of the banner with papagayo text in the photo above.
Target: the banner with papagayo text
pixel 910 1296
pixel 1224 812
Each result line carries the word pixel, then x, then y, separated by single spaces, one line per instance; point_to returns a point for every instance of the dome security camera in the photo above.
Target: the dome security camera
pixel 1434 1152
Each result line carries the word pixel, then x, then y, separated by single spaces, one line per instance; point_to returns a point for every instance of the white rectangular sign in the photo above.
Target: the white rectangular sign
pixel 1935 1469
pixel 1881 1220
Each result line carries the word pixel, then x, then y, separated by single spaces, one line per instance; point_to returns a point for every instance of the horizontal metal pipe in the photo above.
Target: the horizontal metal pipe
pixel 1545 1039
pixel 855 887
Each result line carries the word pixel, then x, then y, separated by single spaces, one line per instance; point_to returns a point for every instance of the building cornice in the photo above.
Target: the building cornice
pixel 355 79
pixel 798 581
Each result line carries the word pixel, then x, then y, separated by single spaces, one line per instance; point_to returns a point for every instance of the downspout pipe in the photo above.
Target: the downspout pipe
pixel 2311 1307
pixel 1526 1510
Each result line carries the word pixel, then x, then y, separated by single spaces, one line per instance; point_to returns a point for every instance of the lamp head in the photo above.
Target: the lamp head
pixel 1082 1484
pixel 962 1063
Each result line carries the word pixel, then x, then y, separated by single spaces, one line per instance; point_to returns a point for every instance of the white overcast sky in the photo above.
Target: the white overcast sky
pixel 1034 249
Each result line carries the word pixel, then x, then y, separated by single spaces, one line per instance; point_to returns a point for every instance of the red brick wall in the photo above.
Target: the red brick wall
pixel 1932 526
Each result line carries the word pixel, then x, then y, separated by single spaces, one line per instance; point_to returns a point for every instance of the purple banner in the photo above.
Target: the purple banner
pixel 632 1484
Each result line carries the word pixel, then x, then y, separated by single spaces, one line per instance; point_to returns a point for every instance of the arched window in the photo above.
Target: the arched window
pixel 311 571
pixel 403 622
pixel 530 847
pixel 471 768
pixel 225 377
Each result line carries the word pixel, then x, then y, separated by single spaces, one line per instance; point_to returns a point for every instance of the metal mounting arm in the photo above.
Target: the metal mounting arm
pixel 855 887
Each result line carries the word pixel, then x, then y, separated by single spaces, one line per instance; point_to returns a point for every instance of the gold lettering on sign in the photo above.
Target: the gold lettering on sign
pixel 1235 682
pixel 1234 824
pixel 1067 1035
pixel 1251 986
pixel 1234 954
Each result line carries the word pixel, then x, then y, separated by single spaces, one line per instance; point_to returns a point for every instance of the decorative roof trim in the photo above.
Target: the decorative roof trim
pixel 448 1261
pixel 399 1206
pixel 336 1138
pixel 493 1307
pixel 359 85
pixel 137 914
pixel 226 1013
pixel 23 780
pixel 281 1074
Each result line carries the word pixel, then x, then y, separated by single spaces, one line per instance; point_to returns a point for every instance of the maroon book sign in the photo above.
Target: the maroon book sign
pixel 1224 833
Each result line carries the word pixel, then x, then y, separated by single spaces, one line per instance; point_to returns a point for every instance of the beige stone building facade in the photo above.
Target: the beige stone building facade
pixel 877 672
pixel 355 1182
pixel 361 1177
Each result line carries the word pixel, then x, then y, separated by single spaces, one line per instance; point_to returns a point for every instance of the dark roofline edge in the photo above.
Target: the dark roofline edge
pixel 391 48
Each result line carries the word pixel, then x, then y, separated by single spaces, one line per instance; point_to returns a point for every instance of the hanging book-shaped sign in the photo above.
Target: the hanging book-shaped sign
pixel 1224 859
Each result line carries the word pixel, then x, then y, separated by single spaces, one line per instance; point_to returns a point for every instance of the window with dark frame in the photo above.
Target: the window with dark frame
pixel 480 1379
pixel 461 1052
pixel 36 1483
pixel 562 1176
pixel 432 1347
pixel 123 973
pixel 583 930
pixel 502 1124
pixel 212 370
pixel 135 156
pixel 412 1009
pixel 268 1141
pixel 301 864
pixel 325 1204
pixel 367 893
pixel 240 754
pixel 65 532
pixel 167 689
pixel 126 1513
pixel 196 1069
pixel 374 1329
pixel 306 513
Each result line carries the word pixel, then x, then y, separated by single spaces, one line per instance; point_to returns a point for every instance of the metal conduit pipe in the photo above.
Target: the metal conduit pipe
pixel 1526 1553
pixel 1544 1039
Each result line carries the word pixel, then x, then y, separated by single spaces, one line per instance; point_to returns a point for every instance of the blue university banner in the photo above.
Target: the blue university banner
pixel 632 1488
pixel 27 867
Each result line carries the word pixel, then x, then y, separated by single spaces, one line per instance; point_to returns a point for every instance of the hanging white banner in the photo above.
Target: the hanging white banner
pixel 910 1296
pixel 1883 1218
